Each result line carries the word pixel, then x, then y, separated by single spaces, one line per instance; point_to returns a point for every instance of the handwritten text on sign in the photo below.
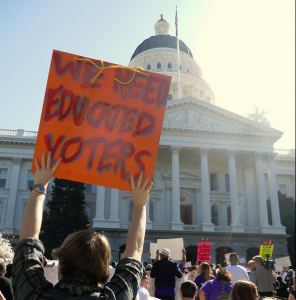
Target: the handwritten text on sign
pixel 103 129
pixel 204 252
pixel 266 249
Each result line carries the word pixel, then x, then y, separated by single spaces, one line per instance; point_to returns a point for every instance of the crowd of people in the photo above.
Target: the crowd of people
pixel 82 269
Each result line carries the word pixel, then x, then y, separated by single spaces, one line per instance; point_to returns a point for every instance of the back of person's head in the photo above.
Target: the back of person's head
pixel 113 264
pixel 84 257
pixel 217 266
pixel 194 268
pixel 223 275
pixel 188 289
pixel 258 259
pixel 233 258
pixel 244 290
pixel 2 266
pixel 279 279
pixel 206 271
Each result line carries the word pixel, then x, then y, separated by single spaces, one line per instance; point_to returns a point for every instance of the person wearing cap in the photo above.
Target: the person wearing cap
pixel 164 271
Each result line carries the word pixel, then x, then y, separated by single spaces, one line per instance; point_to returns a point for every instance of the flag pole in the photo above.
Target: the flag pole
pixel 178 56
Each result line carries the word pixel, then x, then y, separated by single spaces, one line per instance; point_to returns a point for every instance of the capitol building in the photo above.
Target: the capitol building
pixel 214 173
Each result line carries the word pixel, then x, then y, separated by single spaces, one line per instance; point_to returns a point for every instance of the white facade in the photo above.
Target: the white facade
pixel 214 171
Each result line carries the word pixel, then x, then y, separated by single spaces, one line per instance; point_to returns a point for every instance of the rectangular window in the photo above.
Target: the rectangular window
pixel 227 187
pixel 87 188
pixel 30 179
pixel 3 175
pixel 283 189
pixel 214 182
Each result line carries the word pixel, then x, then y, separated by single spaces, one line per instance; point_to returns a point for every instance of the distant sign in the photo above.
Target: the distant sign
pixel 204 252
pixel 266 249
pixel 174 245
pixel 283 262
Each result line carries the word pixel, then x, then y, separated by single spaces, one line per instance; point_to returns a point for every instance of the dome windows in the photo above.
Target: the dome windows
pixel 170 97
pixel 148 67
pixel 158 66
pixel 169 66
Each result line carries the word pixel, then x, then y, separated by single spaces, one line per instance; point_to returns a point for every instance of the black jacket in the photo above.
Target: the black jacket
pixel 164 272
pixel 5 288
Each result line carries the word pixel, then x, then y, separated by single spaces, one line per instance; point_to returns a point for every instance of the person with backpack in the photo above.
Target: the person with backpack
pixel 84 256
pixel 219 288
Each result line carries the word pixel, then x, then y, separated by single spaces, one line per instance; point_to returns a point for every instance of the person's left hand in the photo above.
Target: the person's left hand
pixel 184 251
pixel 1 296
pixel 44 174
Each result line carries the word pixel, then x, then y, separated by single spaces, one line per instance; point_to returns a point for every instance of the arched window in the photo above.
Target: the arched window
pixel 149 67
pixel 158 65
pixel 151 211
pixel 169 65
pixel 170 97
pixel 229 215
pixel 130 210
pixel 215 215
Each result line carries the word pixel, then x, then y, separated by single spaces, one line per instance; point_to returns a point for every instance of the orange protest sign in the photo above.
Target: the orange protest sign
pixel 103 120
pixel 204 252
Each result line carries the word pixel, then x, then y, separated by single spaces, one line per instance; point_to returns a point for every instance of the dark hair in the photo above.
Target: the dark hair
pixel 113 264
pixel 223 274
pixel 84 257
pixel 144 274
pixel 233 258
pixel 2 265
pixel 188 289
pixel 244 290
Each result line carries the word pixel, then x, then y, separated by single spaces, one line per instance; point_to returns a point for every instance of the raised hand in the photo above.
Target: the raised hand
pixel 139 191
pixel 44 173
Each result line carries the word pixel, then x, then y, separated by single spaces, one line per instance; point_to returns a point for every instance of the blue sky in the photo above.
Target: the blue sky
pixel 246 50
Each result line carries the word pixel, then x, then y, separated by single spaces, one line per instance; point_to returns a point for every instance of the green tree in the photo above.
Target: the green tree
pixel 287 214
pixel 66 213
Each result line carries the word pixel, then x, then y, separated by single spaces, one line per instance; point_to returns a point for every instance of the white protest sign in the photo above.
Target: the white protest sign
pixel 283 262
pixel 242 260
pixel 153 249
pixel 188 264
pixel 179 281
pixel 174 245
pixel 227 258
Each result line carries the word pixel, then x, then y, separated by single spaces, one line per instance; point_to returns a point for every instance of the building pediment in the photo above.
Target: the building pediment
pixel 183 175
pixel 191 114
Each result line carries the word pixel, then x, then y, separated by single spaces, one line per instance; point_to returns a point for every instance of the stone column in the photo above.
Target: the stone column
pixel 235 220
pixel 148 221
pixel 99 220
pixel 13 186
pixel 261 193
pixel 113 221
pixel 176 220
pixel 274 200
pixel 207 225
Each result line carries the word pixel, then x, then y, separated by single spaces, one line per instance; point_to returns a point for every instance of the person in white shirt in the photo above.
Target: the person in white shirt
pixel 237 272
pixel 143 292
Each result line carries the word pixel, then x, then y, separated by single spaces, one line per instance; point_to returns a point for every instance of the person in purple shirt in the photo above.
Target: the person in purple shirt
pixel 205 274
pixel 221 286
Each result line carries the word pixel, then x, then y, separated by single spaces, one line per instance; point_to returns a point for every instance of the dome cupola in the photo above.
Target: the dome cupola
pixel 162 27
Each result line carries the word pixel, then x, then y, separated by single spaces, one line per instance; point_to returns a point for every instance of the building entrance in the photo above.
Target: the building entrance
pixel 186 214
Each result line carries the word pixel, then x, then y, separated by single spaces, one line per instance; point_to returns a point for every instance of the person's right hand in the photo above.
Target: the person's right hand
pixel 157 252
pixel 149 254
pixel 140 194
